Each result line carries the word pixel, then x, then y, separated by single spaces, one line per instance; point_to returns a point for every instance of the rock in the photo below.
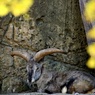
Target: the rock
pixel 13 85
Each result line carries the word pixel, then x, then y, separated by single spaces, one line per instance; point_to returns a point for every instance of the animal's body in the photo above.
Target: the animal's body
pixel 73 81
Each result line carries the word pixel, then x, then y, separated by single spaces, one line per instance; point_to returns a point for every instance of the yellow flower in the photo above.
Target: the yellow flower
pixel 16 7
pixel 2 1
pixel 91 63
pixel 26 17
pixel 91 33
pixel 91 49
pixel 20 7
pixel 4 10
pixel 90 10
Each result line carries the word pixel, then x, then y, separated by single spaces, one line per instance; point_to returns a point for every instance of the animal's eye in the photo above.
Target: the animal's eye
pixel 37 69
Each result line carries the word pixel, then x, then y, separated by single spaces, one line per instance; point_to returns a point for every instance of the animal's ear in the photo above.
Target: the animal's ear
pixel 24 55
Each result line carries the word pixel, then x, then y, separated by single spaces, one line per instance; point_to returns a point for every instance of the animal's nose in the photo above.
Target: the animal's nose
pixel 35 76
pixel 33 80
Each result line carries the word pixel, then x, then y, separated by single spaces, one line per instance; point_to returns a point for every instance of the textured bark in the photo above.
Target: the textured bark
pixel 52 23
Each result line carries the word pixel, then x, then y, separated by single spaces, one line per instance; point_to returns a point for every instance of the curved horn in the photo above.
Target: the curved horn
pixel 20 54
pixel 39 55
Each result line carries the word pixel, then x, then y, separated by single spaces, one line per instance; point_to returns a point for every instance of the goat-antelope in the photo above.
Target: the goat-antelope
pixel 66 82
pixel 34 69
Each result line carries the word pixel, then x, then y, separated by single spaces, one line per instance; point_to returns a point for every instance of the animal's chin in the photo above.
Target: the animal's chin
pixel 33 86
pixel 32 82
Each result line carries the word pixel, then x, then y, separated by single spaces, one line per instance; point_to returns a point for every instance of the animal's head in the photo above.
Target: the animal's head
pixel 34 68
